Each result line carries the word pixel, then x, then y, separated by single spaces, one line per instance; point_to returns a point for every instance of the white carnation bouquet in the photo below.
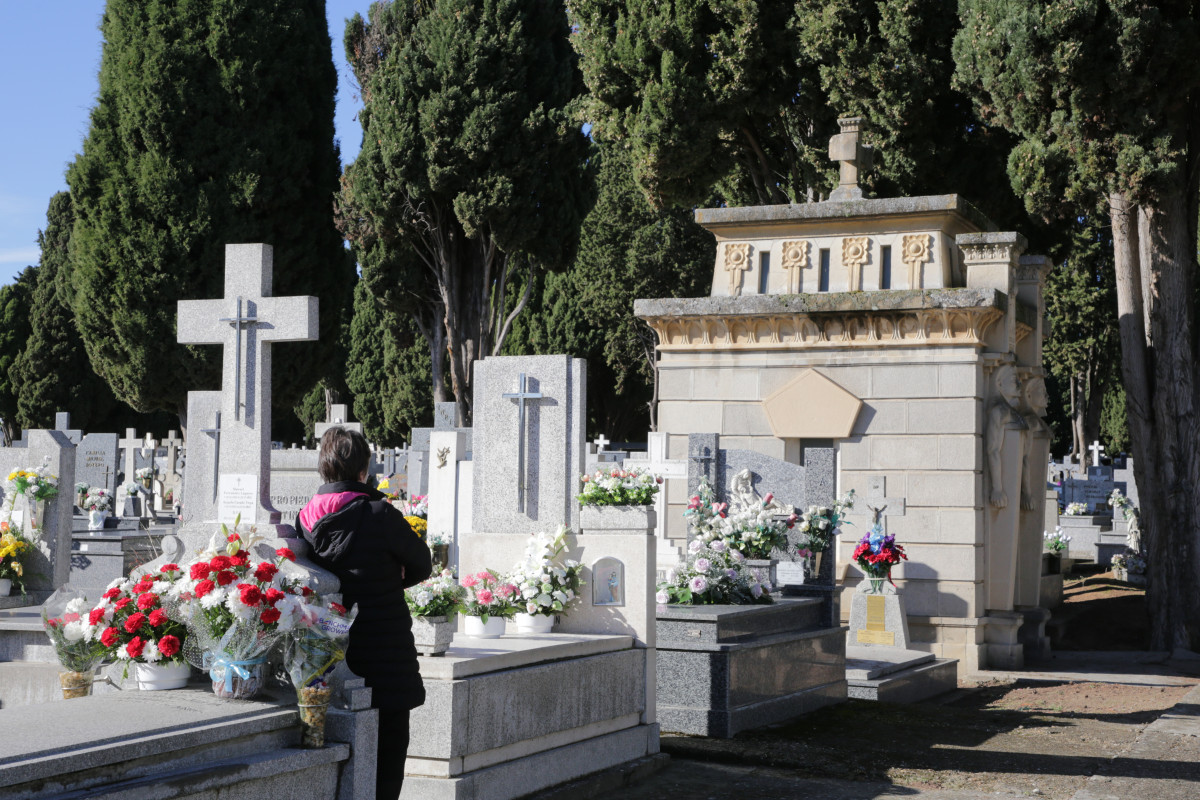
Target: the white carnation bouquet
pixel 547 584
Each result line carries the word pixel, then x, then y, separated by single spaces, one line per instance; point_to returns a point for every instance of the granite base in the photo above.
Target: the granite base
pixel 725 669
pixel 510 716
pixel 895 675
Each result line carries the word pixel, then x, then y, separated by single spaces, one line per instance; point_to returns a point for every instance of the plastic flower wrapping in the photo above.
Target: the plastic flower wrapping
pixel 877 552
pixel 487 595
pixel 438 596
pixel 712 573
pixel 547 584
pixel 1056 542
pixel 73 630
pixel 620 486
pixel 133 623
pixel 820 524
pixel 754 531
pixel 14 550
pixel 317 644
pixel 235 605
pixel 146 473
pixel 37 484
pixel 1076 509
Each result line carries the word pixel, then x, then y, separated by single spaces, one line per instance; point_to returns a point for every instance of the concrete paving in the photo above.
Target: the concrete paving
pixel 1162 763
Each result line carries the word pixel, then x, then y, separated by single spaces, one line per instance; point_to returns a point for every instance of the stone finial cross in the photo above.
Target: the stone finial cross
pixel 521 395
pixel 1096 449
pixel 601 443
pixel 881 505
pixel 853 157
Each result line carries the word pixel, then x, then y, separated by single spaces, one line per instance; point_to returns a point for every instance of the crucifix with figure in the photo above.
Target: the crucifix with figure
pixel 880 504
pixel 246 322
pixel 521 395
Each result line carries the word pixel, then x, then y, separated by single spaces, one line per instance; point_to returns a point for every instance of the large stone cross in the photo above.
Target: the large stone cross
pixel 62 423
pixel 130 444
pixel 245 322
pixel 853 157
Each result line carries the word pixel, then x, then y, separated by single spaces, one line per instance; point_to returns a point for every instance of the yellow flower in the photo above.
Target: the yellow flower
pixel 17 568
pixel 418 525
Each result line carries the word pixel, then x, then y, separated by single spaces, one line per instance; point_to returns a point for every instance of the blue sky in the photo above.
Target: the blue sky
pixel 49 60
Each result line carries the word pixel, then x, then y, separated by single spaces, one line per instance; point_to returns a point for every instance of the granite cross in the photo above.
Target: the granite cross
pixel 881 505
pixel 1096 449
pixel 521 395
pixel 62 422
pixel 258 321
pixel 130 444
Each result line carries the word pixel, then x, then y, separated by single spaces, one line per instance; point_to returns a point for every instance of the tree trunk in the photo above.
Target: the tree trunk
pixel 1155 261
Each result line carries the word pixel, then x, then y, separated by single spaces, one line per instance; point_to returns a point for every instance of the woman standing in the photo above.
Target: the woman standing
pixel 357 535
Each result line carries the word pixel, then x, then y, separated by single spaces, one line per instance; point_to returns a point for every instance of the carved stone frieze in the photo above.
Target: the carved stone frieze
pixel 737 261
pixel 855 250
pixel 915 254
pixel 935 326
pixel 978 253
pixel 795 261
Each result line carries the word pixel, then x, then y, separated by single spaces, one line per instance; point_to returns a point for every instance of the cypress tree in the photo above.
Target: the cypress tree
pixel 16 301
pixel 214 124
pixel 1098 94
pixel 472 170
pixel 53 372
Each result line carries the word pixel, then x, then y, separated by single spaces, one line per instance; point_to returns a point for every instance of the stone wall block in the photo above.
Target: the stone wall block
pixel 728 383
pixel 944 416
pixel 903 452
pixel 675 384
pixel 960 380
pixel 960 452
pixel 688 417
pixel 745 419
pixel 942 489
pixel 904 381
pixel 881 416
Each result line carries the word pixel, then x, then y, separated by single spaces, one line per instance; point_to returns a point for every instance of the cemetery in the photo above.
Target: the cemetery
pixel 839 425
pixel 840 504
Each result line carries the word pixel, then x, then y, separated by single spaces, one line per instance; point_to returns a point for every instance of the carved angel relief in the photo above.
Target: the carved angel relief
pixel 915 254
pixel 795 261
pixel 855 250
pixel 737 261
pixel 1001 415
pixel 442 454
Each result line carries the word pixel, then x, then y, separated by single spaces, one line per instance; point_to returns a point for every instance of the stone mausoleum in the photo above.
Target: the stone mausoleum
pixel 907 333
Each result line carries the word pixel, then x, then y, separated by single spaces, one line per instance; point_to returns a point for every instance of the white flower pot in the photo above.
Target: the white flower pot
pixel 5 587
pixel 477 629
pixel 534 623
pixel 432 635
pixel 155 677
pixel 96 520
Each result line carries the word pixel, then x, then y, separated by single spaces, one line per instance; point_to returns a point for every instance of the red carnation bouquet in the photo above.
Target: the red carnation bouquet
pixel 876 554
pixel 134 625
pixel 236 606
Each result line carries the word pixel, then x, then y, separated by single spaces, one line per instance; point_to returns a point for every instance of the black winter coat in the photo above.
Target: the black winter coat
pixel 363 540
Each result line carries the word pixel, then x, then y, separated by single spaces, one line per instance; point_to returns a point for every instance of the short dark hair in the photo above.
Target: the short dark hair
pixel 344 455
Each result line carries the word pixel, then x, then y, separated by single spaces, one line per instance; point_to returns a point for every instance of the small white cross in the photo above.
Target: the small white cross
pixel 1095 448
pixel 601 443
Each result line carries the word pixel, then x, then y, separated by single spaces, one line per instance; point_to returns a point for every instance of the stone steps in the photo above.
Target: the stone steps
pixel 898 676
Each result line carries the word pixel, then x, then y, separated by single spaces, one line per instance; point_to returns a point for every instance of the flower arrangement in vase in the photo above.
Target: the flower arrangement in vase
pixel 146 476
pixel 1056 542
pixel 81 489
pixel 487 601
pixel 15 549
pixel 416 506
pixel 713 573
pixel 547 584
pixel 139 632
pixel 819 525
pixel 876 554
pixel 97 502
pixel 753 529
pixel 433 604
pixel 620 486
pixel 76 640
pixel 316 645
pixel 1076 510
pixel 36 486
pixel 236 606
